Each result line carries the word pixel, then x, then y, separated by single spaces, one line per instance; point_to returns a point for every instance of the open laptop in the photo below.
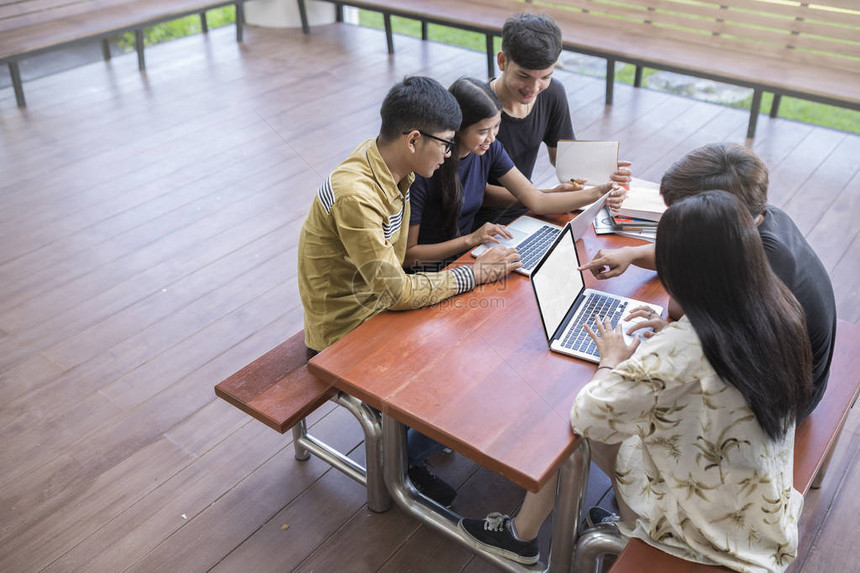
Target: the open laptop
pixel 565 304
pixel 533 237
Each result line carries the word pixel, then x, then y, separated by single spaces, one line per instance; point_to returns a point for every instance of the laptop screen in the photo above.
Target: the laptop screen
pixel 557 282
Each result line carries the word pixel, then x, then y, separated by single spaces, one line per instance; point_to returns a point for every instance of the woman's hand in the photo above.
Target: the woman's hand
pixel 572 185
pixel 487 233
pixel 610 342
pixel 652 320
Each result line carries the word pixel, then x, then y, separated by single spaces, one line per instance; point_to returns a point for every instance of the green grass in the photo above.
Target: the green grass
pixel 179 28
pixel 790 108
pixel 442 34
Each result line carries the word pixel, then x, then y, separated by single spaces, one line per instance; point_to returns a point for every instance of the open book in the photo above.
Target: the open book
pixel 643 201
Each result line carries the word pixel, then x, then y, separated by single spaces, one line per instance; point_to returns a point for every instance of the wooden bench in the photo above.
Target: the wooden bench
pixel 278 390
pixel 804 49
pixel 32 27
pixel 814 441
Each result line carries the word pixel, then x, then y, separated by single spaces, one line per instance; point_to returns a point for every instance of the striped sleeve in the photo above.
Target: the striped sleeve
pixel 465 277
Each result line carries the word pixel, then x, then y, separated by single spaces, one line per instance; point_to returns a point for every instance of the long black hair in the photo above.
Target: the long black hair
pixel 477 102
pixel 710 258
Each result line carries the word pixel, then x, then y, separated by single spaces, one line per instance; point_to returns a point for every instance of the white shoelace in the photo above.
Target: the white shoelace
pixel 495 521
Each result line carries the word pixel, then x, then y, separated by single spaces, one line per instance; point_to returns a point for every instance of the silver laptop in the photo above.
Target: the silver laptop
pixel 533 237
pixel 565 304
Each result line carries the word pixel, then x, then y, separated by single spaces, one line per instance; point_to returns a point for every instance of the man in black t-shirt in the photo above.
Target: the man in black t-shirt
pixel 534 107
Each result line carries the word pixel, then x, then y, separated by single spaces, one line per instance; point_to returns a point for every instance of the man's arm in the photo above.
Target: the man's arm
pixel 379 267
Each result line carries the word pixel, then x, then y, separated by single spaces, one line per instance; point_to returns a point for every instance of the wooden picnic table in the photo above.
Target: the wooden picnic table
pixel 476 374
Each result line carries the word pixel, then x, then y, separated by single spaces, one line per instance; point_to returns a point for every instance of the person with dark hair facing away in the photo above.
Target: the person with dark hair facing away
pixel 351 245
pixel 534 108
pixel 695 425
pixel 444 205
pixel 741 172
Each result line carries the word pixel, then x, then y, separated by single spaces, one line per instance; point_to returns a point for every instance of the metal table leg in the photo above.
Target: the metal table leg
pixel 569 496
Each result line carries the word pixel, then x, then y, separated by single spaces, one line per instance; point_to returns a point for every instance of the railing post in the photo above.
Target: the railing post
pixel 15 72
pixel 755 108
pixel 138 44
pixel 610 80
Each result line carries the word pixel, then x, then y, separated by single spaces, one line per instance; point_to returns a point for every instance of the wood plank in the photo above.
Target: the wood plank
pixel 95 500
pixel 825 188
pixel 818 503
pixel 256 500
pixel 254 456
pixel 837 228
pixel 157 379
pixel 833 550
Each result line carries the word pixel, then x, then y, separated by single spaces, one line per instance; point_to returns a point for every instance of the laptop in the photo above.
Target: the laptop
pixel 565 304
pixel 533 237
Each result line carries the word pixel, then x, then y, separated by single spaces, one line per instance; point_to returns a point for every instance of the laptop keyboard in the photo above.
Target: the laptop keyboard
pixel 597 304
pixel 533 248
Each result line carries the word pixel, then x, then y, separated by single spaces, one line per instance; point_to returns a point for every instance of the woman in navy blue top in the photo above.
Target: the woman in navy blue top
pixel 443 207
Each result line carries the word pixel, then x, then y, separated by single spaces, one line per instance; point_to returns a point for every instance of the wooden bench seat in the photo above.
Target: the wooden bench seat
pixel 278 390
pixel 808 50
pixel 814 440
pixel 32 27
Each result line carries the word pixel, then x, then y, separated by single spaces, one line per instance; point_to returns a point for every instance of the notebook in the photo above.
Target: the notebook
pixel 533 237
pixel 565 304
pixel 594 161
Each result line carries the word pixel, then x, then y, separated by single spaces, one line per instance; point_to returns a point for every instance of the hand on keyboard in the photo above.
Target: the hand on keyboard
pixel 489 233
pixel 610 343
pixel 647 318
pixel 494 264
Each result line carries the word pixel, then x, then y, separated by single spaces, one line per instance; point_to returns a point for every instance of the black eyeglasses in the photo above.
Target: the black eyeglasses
pixel 449 145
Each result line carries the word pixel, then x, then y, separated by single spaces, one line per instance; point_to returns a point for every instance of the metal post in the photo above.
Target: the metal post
pixel 755 108
pixel 300 430
pixel 491 57
pixel 572 483
pixel 610 80
pixel 594 544
pixel 637 77
pixel 423 29
pixel 378 499
pixel 774 106
pixel 389 35
pixel 240 21
pixel 106 49
pixel 424 509
pixel 138 44
pixel 204 25
pixel 17 84
pixel 303 14
pixel 371 477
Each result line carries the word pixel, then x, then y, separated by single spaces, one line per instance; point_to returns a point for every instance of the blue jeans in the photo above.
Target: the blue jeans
pixel 419 447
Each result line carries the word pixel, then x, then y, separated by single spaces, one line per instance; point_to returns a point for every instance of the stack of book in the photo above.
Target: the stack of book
pixel 639 214
pixel 622 223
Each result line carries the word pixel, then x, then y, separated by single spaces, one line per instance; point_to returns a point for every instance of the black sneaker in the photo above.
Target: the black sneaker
pixel 427 483
pixel 597 515
pixel 495 535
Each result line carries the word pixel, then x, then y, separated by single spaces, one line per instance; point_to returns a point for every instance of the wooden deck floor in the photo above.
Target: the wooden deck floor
pixel 148 250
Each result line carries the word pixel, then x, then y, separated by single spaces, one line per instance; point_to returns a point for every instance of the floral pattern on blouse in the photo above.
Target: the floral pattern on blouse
pixel 707 482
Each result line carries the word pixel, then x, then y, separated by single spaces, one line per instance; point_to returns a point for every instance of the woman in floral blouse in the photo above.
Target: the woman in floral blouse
pixel 696 424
